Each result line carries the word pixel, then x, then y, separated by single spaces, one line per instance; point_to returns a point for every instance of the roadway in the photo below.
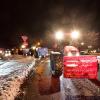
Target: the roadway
pixel 41 85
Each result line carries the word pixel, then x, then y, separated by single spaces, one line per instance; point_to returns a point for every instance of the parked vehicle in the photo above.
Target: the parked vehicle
pixel 42 52
pixel 7 53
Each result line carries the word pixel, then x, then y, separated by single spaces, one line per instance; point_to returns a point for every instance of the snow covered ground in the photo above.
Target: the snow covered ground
pixel 74 89
pixel 12 75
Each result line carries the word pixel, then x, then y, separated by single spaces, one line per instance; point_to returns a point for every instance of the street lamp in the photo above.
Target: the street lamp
pixel 38 43
pixel 23 46
pixel 75 34
pixel 59 35
pixel 82 43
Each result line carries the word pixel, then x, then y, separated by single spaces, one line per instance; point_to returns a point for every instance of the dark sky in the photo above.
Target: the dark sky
pixel 36 17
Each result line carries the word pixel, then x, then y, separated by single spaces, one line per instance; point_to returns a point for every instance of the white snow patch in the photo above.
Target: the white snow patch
pixel 12 74
pixel 9 67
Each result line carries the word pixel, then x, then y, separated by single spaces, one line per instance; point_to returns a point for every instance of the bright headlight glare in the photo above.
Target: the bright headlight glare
pixel 69 54
pixel 77 54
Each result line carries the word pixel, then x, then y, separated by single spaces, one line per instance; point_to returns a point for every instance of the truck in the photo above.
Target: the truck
pixel 74 65
pixel 42 52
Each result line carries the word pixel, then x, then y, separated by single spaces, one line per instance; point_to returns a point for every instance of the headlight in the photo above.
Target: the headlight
pixel 69 54
pixel 6 55
pixel 0 51
pixel 9 54
pixel 77 54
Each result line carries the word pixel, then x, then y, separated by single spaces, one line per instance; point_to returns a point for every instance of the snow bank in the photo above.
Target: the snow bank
pixel 12 75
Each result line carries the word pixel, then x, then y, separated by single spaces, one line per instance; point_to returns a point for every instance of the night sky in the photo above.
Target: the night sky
pixel 35 18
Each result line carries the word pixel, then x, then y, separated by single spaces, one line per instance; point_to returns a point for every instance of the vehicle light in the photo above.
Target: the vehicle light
pixel 0 51
pixel 77 54
pixel 69 54
pixel 6 55
pixel 9 54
